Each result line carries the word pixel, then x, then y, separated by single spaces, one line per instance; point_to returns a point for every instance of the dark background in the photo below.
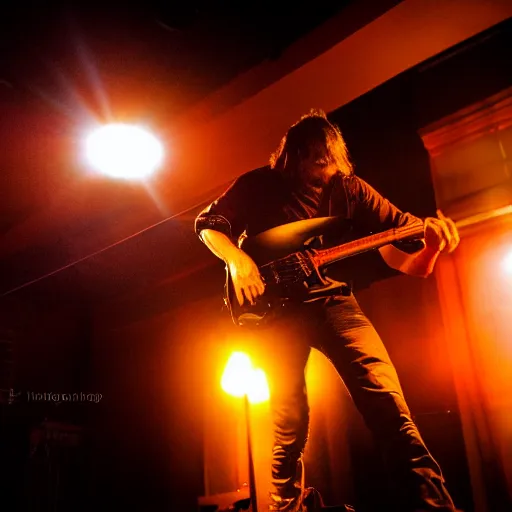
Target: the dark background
pixel 142 351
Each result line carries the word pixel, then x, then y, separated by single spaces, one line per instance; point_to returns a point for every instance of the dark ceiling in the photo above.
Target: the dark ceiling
pixel 60 63
pixel 177 51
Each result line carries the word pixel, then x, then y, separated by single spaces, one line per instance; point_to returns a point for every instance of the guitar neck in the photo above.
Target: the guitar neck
pixel 326 257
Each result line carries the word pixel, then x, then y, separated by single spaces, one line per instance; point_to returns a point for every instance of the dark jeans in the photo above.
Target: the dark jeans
pixel 343 333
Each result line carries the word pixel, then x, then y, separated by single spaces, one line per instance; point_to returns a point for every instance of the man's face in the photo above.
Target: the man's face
pixel 317 167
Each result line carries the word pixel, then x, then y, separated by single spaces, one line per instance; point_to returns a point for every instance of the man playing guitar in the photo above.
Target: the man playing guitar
pixel 310 176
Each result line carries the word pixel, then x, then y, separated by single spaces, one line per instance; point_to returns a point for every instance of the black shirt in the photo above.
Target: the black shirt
pixel 265 198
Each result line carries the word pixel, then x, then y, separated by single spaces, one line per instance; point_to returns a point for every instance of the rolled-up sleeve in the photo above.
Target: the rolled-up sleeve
pixel 373 213
pixel 227 213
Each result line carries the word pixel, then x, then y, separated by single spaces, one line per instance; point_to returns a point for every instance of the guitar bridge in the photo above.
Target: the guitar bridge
pixel 304 267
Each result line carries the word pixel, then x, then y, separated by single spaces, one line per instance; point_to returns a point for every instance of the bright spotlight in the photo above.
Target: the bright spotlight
pixel 240 378
pixel 124 151
pixel 235 374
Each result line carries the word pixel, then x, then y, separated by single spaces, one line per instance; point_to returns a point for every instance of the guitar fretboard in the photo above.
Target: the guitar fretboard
pixel 325 257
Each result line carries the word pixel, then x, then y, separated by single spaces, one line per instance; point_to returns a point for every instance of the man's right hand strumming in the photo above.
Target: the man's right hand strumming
pixel 244 273
pixel 245 276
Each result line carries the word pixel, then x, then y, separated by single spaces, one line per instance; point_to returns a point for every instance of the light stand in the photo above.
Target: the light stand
pixel 241 379
pixel 252 479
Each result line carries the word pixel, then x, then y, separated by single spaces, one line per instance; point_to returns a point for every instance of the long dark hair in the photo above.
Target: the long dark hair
pixel 311 129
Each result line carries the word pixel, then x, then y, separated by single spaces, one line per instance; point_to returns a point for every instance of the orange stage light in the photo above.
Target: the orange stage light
pixel 240 378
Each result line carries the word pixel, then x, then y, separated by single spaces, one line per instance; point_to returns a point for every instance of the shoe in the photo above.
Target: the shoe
pixel 313 500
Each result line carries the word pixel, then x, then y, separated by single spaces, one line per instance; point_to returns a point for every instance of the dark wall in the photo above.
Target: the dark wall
pixel 150 364
pixel 44 352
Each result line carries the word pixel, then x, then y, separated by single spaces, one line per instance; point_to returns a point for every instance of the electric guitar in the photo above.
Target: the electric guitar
pixel 292 260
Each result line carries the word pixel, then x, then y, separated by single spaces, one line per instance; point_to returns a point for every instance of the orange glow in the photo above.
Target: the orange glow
pixel 241 378
pixel 258 391
pixel 507 263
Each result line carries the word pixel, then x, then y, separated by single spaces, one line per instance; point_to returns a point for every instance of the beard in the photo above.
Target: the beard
pixel 319 179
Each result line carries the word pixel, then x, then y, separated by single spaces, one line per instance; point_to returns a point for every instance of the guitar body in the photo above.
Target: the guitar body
pixel 284 257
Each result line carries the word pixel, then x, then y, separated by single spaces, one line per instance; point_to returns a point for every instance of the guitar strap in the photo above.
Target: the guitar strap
pixel 340 198
pixel 341 204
